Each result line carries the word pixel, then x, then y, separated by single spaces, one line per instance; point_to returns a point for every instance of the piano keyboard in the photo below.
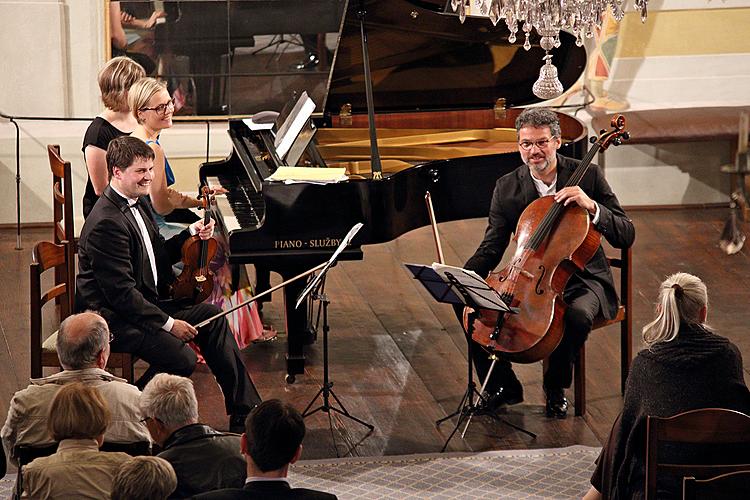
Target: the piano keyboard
pixel 241 208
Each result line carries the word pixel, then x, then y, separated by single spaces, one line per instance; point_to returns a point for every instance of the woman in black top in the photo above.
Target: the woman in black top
pixel 684 367
pixel 116 120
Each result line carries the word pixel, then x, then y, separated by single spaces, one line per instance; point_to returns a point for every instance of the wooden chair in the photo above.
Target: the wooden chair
pixel 708 426
pixel 624 317
pixel 47 255
pixel 732 485
pixel 62 197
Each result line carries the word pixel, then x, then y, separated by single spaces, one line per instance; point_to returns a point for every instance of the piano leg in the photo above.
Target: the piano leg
pixel 299 331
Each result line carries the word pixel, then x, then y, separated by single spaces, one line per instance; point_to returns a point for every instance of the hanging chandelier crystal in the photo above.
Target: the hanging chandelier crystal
pixel 579 17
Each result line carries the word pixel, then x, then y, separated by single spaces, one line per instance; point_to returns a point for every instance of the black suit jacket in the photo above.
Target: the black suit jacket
pixel 515 191
pixel 114 272
pixel 266 490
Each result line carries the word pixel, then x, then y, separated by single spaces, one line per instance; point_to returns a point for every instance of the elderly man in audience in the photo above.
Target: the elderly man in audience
pixel 144 478
pixel 83 349
pixel 272 441
pixel 203 459
pixel 78 417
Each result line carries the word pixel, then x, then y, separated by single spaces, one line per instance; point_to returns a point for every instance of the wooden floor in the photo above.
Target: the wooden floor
pixel 398 359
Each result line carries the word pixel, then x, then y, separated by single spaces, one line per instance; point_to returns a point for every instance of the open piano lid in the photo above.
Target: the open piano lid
pixel 422 59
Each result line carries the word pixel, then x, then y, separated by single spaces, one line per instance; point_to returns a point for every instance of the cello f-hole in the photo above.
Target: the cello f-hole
pixel 537 289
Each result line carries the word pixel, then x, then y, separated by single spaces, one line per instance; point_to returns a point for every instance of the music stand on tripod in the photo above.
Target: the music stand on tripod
pixel 457 286
pixel 315 289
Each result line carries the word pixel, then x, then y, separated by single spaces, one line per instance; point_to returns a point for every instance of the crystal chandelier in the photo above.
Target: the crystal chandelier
pixel 547 17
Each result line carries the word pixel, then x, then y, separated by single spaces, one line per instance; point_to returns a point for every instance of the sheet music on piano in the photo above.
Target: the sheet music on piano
pixel 293 125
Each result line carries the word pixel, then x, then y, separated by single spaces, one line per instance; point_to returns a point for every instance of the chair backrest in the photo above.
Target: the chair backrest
pixel 62 196
pixel 47 255
pixel 732 485
pixel 708 426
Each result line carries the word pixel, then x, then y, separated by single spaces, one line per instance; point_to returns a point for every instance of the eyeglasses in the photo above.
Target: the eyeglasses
pixel 161 108
pixel 541 144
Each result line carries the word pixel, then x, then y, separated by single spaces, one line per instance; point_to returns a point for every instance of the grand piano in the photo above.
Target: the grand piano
pixel 446 97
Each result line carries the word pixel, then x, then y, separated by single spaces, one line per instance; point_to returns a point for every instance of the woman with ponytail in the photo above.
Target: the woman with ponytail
pixel 685 366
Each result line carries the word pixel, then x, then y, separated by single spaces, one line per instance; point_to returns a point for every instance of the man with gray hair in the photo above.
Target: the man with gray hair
pixel 204 459
pixel 83 350
pixel 590 292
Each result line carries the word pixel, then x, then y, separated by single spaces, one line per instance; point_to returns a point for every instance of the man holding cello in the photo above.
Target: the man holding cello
pixel 124 273
pixel 590 291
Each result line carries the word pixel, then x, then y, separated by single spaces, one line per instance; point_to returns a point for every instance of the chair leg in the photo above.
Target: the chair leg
pixel 127 369
pixel 626 350
pixel 579 383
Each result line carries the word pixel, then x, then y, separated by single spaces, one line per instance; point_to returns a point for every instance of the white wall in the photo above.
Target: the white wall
pixel 51 52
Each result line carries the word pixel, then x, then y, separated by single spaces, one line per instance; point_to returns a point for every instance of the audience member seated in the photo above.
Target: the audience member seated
pixel 271 442
pixel 78 417
pixel 115 78
pixel 203 458
pixel 685 366
pixel 144 478
pixel 83 349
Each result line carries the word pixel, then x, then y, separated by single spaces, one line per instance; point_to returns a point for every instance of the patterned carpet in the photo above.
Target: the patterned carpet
pixel 558 473
pixel 544 474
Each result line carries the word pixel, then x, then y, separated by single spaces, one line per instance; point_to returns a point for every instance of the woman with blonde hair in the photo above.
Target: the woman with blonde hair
pixel 115 78
pixel 77 419
pixel 153 107
pixel 685 366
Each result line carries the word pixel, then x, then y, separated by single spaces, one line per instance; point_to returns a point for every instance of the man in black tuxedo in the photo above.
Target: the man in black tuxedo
pixel 124 273
pixel 271 442
pixel 589 292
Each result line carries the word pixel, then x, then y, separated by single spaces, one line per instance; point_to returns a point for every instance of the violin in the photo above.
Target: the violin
pixel 196 283
pixel 553 242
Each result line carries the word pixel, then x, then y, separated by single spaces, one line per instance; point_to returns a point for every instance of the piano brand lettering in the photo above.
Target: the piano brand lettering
pixel 316 243
pixel 287 244
pixel 325 242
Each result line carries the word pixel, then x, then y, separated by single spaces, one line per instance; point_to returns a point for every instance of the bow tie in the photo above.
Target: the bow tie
pixel 135 204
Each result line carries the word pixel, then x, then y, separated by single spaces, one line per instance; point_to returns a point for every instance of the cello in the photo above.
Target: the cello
pixel 195 283
pixel 553 242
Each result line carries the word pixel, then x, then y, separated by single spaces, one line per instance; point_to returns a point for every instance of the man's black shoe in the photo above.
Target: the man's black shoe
pixel 310 62
pixel 237 423
pixel 557 404
pixel 492 402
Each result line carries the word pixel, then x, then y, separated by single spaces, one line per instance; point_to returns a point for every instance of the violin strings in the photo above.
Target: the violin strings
pixel 545 226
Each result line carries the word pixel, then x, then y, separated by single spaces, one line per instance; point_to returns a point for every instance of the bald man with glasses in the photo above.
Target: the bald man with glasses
pixel 83 348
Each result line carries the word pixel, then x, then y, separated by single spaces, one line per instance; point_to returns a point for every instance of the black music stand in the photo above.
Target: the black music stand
pixel 457 286
pixel 316 288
